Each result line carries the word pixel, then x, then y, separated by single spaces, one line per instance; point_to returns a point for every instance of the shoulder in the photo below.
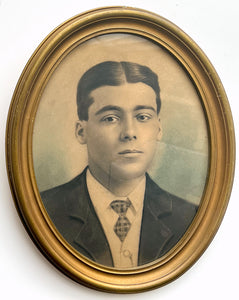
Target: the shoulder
pixel 168 204
pixel 56 197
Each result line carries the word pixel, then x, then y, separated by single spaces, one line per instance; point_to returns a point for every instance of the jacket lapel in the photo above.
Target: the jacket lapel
pixel 90 237
pixel 154 232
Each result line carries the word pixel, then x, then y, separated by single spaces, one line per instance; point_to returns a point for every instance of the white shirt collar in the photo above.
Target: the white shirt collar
pixel 102 197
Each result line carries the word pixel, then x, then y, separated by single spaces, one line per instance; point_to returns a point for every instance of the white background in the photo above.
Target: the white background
pixel 24 272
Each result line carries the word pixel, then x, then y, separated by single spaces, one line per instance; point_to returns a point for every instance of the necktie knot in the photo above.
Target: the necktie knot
pixel 122 225
pixel 120 206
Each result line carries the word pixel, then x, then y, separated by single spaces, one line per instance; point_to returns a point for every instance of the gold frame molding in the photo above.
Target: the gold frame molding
pixel 19 148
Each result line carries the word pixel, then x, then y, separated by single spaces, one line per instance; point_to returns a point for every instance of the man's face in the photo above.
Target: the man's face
pixel 121 131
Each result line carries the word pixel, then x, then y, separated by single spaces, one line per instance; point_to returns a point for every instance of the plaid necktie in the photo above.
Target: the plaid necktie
pixel 122 226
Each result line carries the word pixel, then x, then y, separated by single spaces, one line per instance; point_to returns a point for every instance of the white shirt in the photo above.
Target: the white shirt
pixel 125 254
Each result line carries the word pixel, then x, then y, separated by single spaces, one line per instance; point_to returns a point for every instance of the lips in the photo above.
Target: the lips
pixel 130 151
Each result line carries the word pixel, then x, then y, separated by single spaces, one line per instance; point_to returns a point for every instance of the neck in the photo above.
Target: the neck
pixel 118 187
pixel 123 187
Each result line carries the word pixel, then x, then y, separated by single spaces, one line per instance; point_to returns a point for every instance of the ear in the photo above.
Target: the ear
pixel 81 132
pixel 160 133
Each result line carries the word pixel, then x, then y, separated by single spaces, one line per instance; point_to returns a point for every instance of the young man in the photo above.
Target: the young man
pixel 113 213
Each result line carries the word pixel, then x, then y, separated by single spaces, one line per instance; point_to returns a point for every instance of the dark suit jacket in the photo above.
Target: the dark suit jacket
pixel 165 220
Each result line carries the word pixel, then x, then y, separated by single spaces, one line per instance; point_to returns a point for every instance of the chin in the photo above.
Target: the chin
pixel 129 173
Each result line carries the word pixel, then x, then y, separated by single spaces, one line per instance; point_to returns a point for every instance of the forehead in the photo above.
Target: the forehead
pixel 126 96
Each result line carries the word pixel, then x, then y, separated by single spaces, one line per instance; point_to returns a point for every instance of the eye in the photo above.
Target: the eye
pixel 143 117
pixel 110 119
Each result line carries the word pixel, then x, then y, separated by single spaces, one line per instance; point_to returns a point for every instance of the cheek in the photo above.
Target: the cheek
pixel 149 133
pixel 100 139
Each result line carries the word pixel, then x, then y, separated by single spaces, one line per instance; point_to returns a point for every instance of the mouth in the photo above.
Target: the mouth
pixel 130 153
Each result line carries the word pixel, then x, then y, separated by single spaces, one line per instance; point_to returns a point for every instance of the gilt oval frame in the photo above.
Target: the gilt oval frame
pixel 19 148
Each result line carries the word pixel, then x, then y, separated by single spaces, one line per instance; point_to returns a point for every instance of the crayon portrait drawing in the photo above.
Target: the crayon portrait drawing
pixel 120 150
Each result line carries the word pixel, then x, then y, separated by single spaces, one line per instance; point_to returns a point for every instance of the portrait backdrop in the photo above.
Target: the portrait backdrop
pixel 181 161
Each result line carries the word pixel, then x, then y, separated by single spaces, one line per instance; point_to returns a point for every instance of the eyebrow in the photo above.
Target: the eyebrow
pixel 117 108
pixel 108 108
pixel 139 107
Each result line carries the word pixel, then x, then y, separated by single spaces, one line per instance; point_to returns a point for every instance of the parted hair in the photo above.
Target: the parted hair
pixel 113 73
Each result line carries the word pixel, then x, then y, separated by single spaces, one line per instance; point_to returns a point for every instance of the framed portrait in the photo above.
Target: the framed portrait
pixel 120 149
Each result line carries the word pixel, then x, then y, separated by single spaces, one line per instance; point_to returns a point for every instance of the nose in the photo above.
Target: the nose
pixel 128 130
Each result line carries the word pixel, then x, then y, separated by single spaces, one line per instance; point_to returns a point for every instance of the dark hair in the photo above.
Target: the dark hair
pixel 114 74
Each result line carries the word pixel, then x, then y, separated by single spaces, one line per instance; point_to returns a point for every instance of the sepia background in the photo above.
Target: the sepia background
pixel 25 273
pixel 181 160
